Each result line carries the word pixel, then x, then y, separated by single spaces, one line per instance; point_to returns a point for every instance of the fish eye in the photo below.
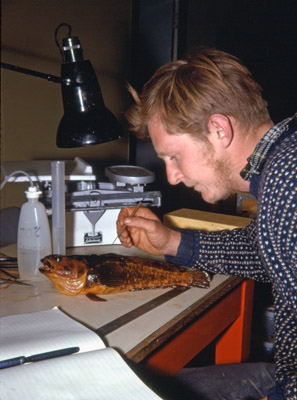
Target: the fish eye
pixel 58 258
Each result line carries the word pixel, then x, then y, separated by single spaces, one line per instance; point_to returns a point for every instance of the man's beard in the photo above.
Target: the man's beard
pixel 225 178
pixel 225 182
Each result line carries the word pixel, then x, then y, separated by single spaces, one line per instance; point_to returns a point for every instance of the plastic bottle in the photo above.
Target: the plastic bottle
pixel 34 238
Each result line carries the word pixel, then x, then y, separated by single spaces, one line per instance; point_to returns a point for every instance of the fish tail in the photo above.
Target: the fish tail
pixel 200 279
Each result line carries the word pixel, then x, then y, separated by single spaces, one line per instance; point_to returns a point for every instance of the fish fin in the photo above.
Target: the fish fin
pixel 93 297
pixel 201 279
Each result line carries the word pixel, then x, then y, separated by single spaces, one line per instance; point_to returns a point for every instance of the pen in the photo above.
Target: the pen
pixel 11 362
pixel 132 215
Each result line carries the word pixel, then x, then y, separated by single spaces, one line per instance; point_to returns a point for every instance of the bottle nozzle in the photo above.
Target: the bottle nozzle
pixel 33 192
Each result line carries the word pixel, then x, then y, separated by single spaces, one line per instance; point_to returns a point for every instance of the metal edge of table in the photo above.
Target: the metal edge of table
pixel 177 324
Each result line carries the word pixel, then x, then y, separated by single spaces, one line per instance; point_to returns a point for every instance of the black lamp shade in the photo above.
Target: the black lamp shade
pixel 86 120
pixel 85 129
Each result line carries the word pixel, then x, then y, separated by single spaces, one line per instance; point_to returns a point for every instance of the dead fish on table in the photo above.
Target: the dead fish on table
pixel 112 273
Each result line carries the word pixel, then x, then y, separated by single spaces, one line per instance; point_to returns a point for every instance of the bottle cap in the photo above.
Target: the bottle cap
pixel 33 192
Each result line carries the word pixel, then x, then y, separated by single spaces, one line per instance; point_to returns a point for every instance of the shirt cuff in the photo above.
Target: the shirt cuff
pixel 185 249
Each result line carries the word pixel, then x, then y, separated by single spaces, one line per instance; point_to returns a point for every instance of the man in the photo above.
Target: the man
pixel 209 123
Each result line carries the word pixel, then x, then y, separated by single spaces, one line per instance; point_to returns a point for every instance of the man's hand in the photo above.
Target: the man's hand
pixel 147 232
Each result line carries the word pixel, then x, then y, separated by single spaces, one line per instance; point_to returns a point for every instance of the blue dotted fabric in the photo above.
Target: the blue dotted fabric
pixel 266 250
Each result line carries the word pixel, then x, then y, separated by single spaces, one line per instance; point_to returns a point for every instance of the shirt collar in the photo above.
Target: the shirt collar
pixel 259 156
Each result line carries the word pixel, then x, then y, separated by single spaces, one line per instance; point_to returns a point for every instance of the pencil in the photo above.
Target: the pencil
pixel 132 215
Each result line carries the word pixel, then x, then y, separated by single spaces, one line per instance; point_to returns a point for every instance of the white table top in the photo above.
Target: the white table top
pixel 18 299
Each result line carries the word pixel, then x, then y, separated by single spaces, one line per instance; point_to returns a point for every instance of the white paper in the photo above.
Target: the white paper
pixel 101 375
pixel 39 332
pixel 96 372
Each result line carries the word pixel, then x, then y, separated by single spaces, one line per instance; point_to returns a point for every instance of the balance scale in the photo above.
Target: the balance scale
pixel 92 207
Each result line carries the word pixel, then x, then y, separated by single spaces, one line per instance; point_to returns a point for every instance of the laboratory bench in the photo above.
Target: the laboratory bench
pixel 162 329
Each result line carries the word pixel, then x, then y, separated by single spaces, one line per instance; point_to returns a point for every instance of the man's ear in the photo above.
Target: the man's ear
pixel 220 130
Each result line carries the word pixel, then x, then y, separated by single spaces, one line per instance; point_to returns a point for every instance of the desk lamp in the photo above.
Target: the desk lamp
pixel 86 120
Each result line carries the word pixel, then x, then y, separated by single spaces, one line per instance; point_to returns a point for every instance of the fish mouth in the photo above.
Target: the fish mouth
pixel 63 280
pixel 46 268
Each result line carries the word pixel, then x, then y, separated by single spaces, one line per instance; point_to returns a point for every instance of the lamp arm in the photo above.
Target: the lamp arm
pixel 49 77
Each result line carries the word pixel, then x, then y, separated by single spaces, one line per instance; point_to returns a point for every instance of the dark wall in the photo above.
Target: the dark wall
pixel 158 36
pixel 261 33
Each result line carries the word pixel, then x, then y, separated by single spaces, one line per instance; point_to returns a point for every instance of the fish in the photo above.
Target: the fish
pixel 112 273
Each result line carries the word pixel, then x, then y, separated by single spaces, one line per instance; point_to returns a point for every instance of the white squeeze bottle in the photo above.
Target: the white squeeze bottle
pixel 34 238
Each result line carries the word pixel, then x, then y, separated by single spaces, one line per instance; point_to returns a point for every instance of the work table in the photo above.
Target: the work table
pixel 136 323
pixel 164 328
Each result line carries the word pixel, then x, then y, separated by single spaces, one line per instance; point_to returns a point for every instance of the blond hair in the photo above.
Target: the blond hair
pixel 185 93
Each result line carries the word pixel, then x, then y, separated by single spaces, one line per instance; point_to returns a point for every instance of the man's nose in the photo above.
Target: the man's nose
pixel 174 176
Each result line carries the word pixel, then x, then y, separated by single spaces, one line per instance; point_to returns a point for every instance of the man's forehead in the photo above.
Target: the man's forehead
pixel 163 142
pixel 156 128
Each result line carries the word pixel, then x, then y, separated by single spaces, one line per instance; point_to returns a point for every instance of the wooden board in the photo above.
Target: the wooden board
pixel 193 219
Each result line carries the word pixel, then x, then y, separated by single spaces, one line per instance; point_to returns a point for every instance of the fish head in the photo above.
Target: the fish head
pixel 68 274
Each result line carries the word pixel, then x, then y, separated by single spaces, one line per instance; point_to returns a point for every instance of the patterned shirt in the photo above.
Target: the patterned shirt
pixel 266 250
